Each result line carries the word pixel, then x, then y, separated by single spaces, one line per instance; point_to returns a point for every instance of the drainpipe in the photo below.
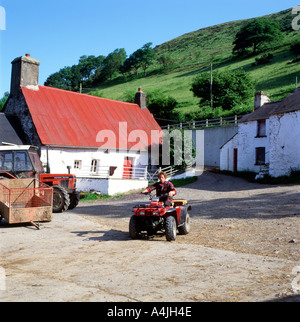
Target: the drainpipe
pixel 48 164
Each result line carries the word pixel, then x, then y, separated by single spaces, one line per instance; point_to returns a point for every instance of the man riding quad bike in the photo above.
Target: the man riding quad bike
pixel 162 214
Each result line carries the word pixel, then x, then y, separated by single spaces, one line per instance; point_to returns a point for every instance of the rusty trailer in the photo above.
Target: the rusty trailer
pixel 25 201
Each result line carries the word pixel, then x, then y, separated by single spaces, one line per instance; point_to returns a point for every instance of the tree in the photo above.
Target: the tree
pixel 60 79
pixel 112 63
pixel 132 63
pixel 146 56
pixel 230 89
pixel 166 61
pixel 295 49
pixel 67 78
pixel 141 58
pixel 3 100
pixel 161 105
pixel 127 67
pixel 256 34
pixel 89 65
pixel 75 77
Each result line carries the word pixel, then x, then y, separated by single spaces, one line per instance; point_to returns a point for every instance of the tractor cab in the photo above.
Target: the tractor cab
pixel 20 161
pixel 23 161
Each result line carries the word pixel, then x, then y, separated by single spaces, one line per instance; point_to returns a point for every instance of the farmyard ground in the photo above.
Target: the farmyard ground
pixel 244 246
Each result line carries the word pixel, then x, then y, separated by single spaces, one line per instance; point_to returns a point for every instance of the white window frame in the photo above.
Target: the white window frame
pixel 95 166
pixel 77 164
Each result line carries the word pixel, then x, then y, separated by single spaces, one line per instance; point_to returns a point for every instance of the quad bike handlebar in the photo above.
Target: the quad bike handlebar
pixel 152 195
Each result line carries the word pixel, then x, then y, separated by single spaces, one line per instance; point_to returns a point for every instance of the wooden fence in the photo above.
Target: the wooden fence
pixel 222 121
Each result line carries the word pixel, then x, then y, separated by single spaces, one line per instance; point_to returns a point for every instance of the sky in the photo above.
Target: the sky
pixel 58 32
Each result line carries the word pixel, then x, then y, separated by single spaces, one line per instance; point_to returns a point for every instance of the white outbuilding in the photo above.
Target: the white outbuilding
pixel 268 140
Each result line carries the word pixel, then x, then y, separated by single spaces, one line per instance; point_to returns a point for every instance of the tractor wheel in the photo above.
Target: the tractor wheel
pixel 171 228
pixel 133 228
pixel 185 228
pixel 61 199
pixel 74 200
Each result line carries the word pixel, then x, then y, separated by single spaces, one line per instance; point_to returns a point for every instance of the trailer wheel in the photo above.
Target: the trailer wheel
pixel 171 228
pixel 61 199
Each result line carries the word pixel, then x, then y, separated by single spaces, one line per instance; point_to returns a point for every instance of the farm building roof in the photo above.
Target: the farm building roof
pixel 65 118
pixel 289 104
pixel 261 113
pixel 7 132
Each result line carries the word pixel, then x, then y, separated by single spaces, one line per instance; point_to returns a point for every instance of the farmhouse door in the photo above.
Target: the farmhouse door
pixel 127 168
pixel 235 160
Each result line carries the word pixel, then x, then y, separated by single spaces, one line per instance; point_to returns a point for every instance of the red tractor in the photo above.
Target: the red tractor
pixel 155 217
pixel 23 161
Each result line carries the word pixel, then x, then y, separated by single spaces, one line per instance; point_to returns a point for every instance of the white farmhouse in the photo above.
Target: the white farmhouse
pixel 284 136
pixel 104 142
pixel 268 140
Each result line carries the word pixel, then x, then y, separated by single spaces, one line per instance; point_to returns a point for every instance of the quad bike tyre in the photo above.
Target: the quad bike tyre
pixel 171 228
pixel 185 228
pixel 133 228
pixel 61 199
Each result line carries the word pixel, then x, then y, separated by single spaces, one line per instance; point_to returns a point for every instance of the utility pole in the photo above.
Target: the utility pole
pixel 211 85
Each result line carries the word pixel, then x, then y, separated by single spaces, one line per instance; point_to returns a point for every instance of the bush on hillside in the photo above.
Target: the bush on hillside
pixel 264 59
pixel 229 89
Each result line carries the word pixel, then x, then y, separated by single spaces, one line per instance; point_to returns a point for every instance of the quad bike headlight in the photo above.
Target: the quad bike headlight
pixel 155 213
pixel 142 213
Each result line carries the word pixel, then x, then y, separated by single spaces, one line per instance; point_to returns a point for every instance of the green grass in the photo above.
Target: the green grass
pixel 180 182
pixel 193 52
pixel 183 182
pixel 91 196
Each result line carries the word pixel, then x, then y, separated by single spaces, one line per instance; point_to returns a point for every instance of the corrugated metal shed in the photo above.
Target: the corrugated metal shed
pixel 7 132
pixel 65 118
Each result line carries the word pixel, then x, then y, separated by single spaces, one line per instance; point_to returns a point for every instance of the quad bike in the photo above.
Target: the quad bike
pixel 155 217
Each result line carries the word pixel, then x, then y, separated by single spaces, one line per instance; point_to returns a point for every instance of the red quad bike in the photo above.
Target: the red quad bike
pixel 155 217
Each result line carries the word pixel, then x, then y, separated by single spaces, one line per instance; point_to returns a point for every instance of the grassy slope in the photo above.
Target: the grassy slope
pixel 193 53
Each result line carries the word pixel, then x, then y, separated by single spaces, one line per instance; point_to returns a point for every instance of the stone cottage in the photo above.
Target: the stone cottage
pixel 268 139
pixel 89 136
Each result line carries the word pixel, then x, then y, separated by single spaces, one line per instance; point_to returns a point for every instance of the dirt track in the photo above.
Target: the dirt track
pixel 244 246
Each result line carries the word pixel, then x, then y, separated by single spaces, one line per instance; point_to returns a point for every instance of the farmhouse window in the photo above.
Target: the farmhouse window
pixel 77 164
pixel 261 128
pixel 260 156
pixel 94 166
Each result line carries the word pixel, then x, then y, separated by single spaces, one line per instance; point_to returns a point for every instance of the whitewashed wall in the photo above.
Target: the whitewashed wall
pixel 60 158
pixel 246 142
pixel 110 186
pixel 284 143
pixel 226 154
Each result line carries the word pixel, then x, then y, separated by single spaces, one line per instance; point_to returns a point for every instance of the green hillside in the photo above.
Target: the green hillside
pixel 192 54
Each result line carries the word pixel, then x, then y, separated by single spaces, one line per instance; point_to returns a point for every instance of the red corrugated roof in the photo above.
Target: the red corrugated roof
pixel 67 118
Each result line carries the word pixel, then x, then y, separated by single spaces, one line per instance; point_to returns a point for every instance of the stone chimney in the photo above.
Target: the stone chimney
pixel 260 99
pixel 25 72
pixel 141 99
